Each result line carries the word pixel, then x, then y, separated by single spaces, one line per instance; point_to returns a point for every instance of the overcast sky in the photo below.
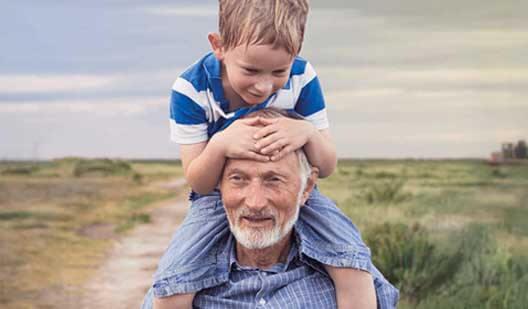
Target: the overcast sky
pixel 408 78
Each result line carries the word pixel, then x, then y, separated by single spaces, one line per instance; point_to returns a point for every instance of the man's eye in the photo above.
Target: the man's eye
pixel 274 180
pixel 236 178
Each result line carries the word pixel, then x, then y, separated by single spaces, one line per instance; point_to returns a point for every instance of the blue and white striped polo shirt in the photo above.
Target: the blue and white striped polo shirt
pixel 198 108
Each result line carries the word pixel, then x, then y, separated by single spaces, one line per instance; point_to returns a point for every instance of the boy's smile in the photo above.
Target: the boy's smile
pixel 251 74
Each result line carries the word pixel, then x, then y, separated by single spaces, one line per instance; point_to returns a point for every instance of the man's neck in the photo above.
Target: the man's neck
pixel 264 258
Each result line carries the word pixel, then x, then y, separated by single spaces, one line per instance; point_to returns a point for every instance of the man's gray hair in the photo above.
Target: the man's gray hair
pixel 305 169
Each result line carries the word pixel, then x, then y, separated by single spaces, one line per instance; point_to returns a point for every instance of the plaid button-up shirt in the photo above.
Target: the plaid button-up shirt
pixel 298 283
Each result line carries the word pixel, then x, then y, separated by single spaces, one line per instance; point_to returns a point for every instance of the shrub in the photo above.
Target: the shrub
pixel 385 192
pixel 488 277
pixel 410 260
pixel 19 170
pixel 103 167
pixel 133 220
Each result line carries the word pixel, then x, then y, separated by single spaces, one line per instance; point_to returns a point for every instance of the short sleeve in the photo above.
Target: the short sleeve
pixel 311 103
pixel 188 119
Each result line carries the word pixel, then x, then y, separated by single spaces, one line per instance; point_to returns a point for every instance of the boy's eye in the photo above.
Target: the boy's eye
pixel 280 72
pixel 250 70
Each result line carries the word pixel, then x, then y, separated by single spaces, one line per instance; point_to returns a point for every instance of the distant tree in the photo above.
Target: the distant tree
pixel 507 150
pixel 520 150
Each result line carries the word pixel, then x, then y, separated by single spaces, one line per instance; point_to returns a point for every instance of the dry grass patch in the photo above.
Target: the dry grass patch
pixel 56 225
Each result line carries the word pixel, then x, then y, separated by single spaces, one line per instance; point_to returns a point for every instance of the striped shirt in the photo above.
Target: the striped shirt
pixel 300 282
pixel 293 284
pixel 198 108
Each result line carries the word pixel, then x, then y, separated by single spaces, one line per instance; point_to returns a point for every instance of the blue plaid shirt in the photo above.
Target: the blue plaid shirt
pixel 298 283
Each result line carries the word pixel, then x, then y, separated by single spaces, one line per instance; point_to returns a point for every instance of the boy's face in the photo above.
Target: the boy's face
pixel 256 72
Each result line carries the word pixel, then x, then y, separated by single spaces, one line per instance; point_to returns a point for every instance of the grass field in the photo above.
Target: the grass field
pixel 57 219
pixel 449 234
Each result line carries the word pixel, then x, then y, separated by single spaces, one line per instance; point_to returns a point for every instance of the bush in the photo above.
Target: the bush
pixel 490 278
pixel 385 192
pixel 19 170
pixel 410 260
pixel 104 167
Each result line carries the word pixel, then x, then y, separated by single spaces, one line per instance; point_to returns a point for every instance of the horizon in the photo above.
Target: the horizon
pixel 404 79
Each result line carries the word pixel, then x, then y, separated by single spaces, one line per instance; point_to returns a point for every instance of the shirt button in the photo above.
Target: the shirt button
pixel 262 301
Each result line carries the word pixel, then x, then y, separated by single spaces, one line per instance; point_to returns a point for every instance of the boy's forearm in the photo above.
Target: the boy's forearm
pixel 321 152
pixel 205 171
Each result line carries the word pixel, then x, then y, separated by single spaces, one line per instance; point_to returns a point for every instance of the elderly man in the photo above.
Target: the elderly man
pixel 262 261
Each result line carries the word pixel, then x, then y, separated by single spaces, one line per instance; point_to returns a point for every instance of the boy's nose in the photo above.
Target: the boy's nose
pixel 264 86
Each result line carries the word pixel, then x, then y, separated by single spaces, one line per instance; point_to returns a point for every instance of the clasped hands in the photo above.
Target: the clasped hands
pixel 265 139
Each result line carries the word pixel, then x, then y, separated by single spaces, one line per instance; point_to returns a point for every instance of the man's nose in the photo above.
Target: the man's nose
pixel 255 196
pixel 264 86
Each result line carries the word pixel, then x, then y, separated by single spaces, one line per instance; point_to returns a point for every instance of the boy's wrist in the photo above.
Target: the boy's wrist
pixel 217 145
pixel 312 131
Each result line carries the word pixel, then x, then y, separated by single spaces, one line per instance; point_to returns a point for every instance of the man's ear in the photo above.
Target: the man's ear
pixel 310 184
pixel 216 44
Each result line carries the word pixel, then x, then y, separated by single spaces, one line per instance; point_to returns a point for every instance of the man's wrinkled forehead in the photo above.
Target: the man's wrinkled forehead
pixel 286 165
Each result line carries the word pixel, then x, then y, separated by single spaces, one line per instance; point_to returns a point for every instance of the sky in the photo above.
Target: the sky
pixel 402 79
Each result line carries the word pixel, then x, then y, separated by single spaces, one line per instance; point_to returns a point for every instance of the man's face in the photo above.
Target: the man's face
pixel 261 199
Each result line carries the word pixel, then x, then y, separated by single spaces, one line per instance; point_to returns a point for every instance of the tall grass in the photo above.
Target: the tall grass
pixel 448 234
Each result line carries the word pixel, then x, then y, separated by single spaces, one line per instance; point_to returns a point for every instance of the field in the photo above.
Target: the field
pixel 57 220
pixel 449 234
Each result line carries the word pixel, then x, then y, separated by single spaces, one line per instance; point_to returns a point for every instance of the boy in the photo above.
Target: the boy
pixel 254 65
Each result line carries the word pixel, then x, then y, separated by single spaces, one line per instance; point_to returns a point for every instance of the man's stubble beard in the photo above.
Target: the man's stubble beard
pixel 260 238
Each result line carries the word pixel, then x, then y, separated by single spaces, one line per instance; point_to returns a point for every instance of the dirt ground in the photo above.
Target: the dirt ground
pixel 123 279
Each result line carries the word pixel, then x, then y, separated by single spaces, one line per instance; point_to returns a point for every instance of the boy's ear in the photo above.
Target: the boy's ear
pixel 216 44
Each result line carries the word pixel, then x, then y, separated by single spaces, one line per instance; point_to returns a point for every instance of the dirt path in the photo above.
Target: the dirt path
pixel 121 282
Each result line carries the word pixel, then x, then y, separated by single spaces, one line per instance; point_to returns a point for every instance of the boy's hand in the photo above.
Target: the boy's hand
pixel 282 135
pixel 238 140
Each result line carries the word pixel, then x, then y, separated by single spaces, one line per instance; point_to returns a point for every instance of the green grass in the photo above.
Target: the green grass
pixel 449 234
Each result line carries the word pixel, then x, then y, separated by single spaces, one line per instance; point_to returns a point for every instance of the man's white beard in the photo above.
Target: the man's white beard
pixel 260 238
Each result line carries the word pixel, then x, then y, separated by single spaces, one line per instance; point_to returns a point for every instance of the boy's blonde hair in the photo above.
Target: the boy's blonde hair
pixel 277 22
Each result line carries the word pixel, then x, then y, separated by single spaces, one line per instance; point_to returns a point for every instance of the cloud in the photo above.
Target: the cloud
pixel 484 80
pixel 23 83
pixel 183 11
pixel 433 14
pixel 125 106
pixel 53 87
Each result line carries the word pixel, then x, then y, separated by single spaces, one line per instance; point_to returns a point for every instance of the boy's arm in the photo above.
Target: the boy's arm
pixel 202 165
pixel 321 152
pixel 282 135
pixel 203 162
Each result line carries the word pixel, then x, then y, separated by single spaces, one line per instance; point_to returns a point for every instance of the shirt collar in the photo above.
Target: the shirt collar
pixel 212 66
pixel 277 268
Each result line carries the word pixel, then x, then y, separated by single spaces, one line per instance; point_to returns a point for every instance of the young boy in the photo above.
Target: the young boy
pixel 254 65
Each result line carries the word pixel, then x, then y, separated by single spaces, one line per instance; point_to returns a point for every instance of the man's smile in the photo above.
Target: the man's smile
pixel 258 221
